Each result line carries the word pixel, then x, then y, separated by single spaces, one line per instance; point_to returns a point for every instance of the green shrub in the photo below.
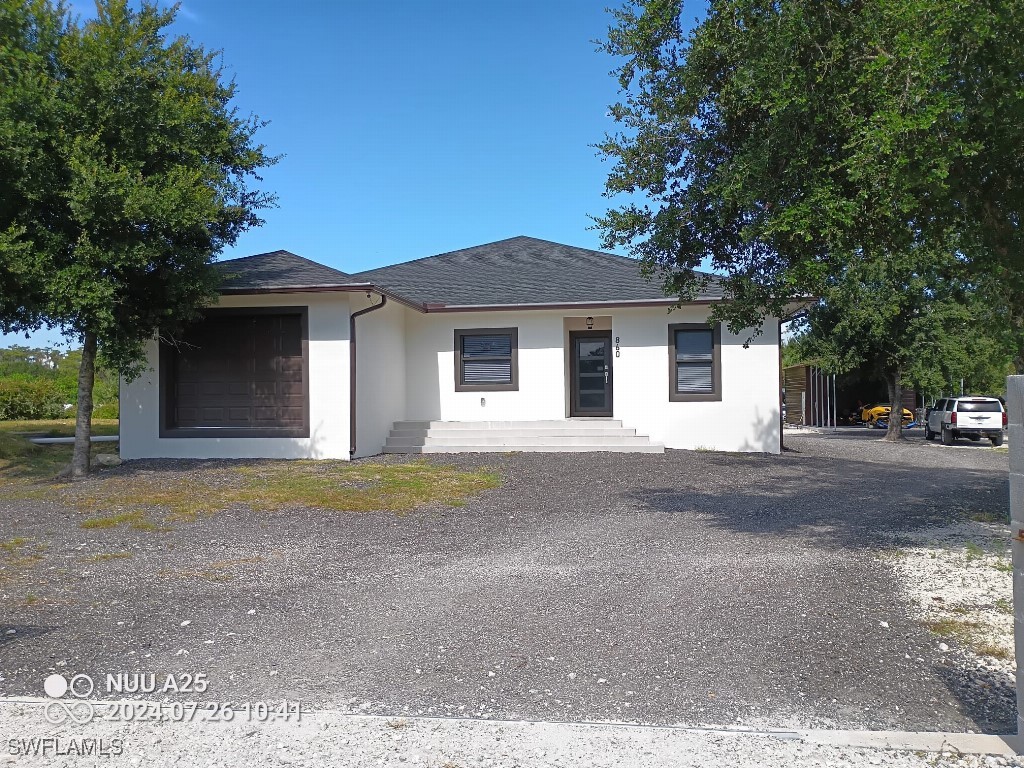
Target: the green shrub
pixel 28 399
pixel 106 411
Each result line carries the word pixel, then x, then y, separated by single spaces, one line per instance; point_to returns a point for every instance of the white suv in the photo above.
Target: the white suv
pixel 970 417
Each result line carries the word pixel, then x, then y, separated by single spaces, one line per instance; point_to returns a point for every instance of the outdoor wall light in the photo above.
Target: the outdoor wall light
pixel 590 323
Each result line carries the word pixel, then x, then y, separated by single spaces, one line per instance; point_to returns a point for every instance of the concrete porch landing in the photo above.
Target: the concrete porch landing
pixel 569 435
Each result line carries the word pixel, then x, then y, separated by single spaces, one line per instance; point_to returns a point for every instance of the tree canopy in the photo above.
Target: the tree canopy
pixel 843 148
pixel 132 172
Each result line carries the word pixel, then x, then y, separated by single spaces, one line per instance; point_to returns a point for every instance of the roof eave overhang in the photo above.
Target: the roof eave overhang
pixel 340 288
pixel 794 309
pixel 434 307
pixel 666 302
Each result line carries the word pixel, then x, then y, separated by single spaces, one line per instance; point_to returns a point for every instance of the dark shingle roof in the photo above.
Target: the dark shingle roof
pixel 275 271
pixel 520 270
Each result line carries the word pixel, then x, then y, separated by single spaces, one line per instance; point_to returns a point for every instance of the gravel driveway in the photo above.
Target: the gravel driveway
pixel 689 587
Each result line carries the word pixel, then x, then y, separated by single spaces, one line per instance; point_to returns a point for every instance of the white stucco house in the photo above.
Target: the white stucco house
pixel 521 344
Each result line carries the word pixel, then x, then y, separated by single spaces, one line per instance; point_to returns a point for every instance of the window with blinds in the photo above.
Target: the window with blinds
pixel 694 368
pixel 486 359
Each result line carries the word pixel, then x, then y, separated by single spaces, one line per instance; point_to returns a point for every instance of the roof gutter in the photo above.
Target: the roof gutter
pixel 430 307
pixel 341 288
pixel 352 368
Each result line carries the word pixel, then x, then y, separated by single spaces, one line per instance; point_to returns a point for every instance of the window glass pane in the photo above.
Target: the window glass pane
pixel 990 406
pixel 490 345
pixel 694 344
pixel 487 372
pixel 694 378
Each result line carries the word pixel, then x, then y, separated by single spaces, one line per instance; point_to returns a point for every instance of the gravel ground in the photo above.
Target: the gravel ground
pixel 689 587
pixel 330 739
pixel 960 580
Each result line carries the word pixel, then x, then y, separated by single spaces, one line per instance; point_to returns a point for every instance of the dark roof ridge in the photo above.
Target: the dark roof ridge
pixel 282 252
pixel 447 253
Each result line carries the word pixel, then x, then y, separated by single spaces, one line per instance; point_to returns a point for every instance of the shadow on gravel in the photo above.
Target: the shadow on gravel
pixel 986 695
pixel 852 506
pixel 857 506
pixel 13 633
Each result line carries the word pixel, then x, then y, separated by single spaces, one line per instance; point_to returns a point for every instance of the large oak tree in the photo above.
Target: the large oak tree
pixel 821 146
pixel 132 172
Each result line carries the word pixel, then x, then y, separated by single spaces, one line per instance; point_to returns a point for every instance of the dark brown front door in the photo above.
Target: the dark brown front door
pixel 591 368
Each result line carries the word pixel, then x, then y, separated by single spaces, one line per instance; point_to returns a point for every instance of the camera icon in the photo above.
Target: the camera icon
pixel 77 711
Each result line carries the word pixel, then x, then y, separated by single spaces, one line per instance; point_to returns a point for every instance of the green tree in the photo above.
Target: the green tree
pixel 816 146
pixel 30 32
pixel 895 328
pixel 153 165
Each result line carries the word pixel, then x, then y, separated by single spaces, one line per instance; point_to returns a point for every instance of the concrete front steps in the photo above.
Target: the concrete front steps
pixel 572 435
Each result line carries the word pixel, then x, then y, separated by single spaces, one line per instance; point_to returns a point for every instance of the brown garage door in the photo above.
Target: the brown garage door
pixel 239 373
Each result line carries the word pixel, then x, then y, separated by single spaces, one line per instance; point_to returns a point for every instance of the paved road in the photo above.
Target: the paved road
pixel 685 588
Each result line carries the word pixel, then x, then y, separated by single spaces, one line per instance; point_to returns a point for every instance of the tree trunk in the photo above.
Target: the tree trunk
pixel 83 420
pixel 895 382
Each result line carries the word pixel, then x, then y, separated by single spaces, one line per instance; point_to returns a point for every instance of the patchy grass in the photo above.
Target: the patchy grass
pixel 993 650
pixel 973 551
pixel 1004 606
pixel 269 486
pixel 103 557
pixel 17 555
pixel 958 629
pixel 11 546
pixel 989 517
pixel 971 634
pixel 136 520
pixel 22 461
pixel 56 427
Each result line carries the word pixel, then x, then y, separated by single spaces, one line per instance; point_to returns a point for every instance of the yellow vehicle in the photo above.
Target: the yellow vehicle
pixel 872 414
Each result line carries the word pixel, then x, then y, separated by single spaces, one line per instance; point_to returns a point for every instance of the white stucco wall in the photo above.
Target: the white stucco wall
pixel 406 371
pixel 380 371
pixel 430 368
pixel 746 418
pixel 328 393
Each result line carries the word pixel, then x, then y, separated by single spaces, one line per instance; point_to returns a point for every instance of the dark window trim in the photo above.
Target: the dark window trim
pixel 512 386
pixel 716 363
pixel 168 357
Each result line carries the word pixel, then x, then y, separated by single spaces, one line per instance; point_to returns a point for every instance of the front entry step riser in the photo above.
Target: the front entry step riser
pixel 510 440
pixel 648 448
pixel 473 434
pixel 548 436
pixel 582 424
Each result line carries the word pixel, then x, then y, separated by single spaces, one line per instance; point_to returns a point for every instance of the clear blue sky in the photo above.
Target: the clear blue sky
pixel 414 127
